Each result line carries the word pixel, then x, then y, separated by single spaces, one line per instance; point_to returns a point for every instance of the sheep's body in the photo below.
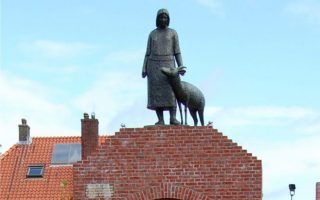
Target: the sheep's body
pixel 187 94
pixel 194 101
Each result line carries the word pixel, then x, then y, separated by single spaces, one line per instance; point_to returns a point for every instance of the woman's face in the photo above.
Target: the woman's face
pixel 163 20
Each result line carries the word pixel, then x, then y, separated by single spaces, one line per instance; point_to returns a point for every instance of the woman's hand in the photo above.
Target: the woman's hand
pixel 144 74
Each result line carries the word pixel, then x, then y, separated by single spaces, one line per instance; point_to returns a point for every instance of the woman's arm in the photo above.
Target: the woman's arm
pixel 145 62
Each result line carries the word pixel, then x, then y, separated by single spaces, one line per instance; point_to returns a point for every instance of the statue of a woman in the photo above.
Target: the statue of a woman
pixel 162 51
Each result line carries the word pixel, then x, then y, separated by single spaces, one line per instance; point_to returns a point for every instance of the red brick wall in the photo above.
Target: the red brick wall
pixel 171 162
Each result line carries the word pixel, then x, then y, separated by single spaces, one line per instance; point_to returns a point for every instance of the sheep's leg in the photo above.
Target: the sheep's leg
pixel 193 113
pixel 185 114
pixel 201 117
pixel 181 114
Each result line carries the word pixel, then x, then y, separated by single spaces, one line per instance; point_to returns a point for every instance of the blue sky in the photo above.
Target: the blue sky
pixel 257 63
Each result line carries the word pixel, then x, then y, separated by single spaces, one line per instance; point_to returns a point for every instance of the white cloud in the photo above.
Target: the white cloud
pixel 22 98
pixel 275 112
pixel 308 125
pixel 306 9
pixel 56 49
pixel 21 93
pixel 291 162
pixel 313 127
pixel 260 115
pixel 113 93
pixel 292 157
pixel 215 6
pixel 119 91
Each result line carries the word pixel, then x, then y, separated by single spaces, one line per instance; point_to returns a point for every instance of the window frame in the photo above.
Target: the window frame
pixel 40 175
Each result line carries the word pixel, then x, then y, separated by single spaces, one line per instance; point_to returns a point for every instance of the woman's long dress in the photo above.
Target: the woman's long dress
pixel 163 45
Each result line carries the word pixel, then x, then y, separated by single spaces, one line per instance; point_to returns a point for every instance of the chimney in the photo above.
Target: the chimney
pixel 24 132
pixel 318 191
pixel 89 134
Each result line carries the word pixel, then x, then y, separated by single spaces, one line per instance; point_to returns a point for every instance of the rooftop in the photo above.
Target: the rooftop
pixel 56 180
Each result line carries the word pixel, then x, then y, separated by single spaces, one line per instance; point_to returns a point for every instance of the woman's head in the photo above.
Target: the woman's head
pixel 163 19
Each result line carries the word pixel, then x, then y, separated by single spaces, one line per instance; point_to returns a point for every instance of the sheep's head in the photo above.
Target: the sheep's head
pixel 182 70
pixel 171 71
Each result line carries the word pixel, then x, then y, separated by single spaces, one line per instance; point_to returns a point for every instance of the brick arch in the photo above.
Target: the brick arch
pixel 167 199
pixel 168 191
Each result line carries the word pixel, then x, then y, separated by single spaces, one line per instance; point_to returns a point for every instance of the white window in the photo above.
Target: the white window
pixel 66 153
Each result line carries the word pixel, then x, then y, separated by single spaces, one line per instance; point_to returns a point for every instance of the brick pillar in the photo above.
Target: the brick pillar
pixel 318 191
pixel 89 135
pixel 24 132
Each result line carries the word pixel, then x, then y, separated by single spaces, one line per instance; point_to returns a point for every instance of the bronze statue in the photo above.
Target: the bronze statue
pixel 189 95
pixel 162 51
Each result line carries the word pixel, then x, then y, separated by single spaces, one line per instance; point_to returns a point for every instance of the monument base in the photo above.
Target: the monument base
pixel 176 162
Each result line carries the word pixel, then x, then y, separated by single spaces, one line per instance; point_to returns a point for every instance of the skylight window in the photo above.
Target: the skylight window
pixel 66 153
pixel 35 171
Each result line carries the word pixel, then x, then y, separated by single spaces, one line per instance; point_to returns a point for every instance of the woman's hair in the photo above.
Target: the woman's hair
pixel 160 12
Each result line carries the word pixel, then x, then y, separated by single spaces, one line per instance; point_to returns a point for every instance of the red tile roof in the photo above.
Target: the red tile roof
pixel 14 166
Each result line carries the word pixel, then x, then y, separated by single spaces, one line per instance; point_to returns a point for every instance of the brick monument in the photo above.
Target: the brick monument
pixel 167 162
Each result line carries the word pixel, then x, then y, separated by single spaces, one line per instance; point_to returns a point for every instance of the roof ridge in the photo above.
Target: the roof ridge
pixel 6 153
pixel 45 137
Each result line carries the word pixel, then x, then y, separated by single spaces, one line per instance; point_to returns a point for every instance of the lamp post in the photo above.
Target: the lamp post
pixel 292 188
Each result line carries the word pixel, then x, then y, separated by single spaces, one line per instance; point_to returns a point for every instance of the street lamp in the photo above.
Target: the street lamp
pixel 292 188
